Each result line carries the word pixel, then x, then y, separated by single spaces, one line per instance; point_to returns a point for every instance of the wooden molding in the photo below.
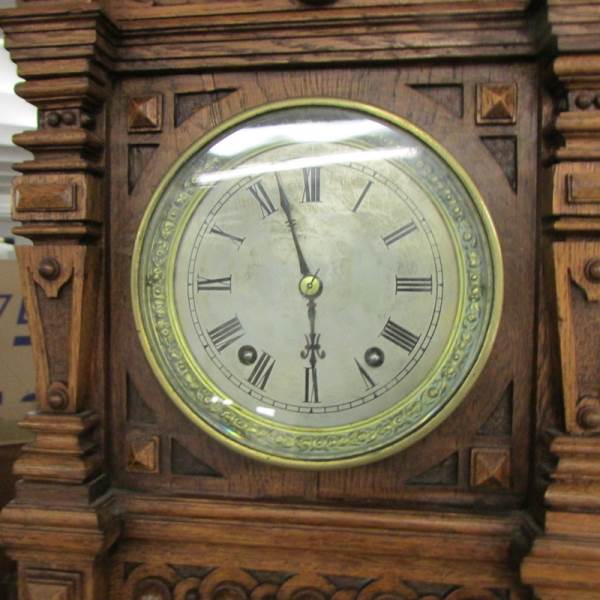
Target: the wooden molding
pixel 559 565
pixel 562 563
pixel 216 34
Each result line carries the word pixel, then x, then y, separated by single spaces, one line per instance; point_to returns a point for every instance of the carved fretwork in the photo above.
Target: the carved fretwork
pixel 560 563
pixel 175 582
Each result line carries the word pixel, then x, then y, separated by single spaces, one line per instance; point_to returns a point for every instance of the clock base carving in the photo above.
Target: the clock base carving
pixel 120 497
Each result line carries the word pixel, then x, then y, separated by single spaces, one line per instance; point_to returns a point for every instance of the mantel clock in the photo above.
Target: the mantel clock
pixel 313 292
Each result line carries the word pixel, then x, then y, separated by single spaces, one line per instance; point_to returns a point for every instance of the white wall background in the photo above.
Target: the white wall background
pixel 15 116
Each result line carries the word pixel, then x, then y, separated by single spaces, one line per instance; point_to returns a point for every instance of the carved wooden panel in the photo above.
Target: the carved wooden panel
pixel 576 190
pixel 577 276
pixel 61 289
pixel 143 452
pixel 174 582
pixel 52 585
pixel 496 104
pixel 144 113
pixel 203 108
pixel 47 197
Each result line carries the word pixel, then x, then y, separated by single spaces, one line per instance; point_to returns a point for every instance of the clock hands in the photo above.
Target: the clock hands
pixel 310 287
pixel 285 206
pixel 312 351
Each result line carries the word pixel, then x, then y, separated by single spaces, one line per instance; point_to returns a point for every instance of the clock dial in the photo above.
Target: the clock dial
pixel 317 284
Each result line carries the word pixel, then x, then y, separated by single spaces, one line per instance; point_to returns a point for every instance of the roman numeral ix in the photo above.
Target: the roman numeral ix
pixel 225 334
pixel 400 336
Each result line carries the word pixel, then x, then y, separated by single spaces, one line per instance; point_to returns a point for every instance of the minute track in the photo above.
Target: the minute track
pixel 370 394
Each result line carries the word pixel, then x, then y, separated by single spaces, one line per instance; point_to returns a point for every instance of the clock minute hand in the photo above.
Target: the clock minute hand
pixel 285 206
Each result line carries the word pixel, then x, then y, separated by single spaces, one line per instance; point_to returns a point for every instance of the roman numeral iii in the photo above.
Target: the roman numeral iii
pixel 400 336
pixel 225 334
pixel 262 371
pixel 312 184
pixel 414 284
pixel 390 238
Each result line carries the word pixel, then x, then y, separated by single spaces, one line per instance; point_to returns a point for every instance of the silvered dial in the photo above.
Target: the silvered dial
pixel 316 295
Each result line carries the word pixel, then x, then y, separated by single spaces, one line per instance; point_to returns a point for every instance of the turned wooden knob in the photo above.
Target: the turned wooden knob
pixel 58 396
pixel 584 100
pixel 69 118
pixel 53 119
pixel 49 268
pixel 588 413
pixel 592 270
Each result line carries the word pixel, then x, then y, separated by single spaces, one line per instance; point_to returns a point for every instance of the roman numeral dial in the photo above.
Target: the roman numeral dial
pixel 314 290
pixel 312 184
pixel 400 336
pixel 398 234
pixel 265 204
pixel 238 241
pixel 220 284
pixel 414 284
pixel 262 371
pixel 226 333
pixel 367 380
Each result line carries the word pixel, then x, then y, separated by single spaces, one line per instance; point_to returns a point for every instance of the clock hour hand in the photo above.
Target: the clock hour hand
pixel 285 206
pixel 312 350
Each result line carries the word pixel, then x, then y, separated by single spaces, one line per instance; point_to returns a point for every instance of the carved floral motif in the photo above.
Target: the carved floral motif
pixel 148 582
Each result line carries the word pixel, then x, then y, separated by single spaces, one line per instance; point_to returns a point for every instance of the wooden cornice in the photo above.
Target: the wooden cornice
pixel 575 25
pixel 127 36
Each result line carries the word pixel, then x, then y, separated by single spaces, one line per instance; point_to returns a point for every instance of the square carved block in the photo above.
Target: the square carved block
pixel 144 113
pixel 496 104
pixel 52 585
pixel 490 468
pixel 60 197
pixel 143 452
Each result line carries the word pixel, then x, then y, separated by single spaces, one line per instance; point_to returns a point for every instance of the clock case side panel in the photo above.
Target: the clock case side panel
pixel 156 448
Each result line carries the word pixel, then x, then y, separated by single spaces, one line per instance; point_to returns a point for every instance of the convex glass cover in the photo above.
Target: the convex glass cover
pixel 317 283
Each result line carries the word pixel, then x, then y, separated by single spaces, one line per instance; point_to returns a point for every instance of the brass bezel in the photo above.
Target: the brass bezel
pixel 494 317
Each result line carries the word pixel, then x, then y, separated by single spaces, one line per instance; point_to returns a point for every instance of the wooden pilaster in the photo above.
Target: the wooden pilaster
pixel 563 561
pixel 61 523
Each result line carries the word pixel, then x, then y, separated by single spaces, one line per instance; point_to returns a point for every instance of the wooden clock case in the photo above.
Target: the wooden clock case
pixel 120 495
